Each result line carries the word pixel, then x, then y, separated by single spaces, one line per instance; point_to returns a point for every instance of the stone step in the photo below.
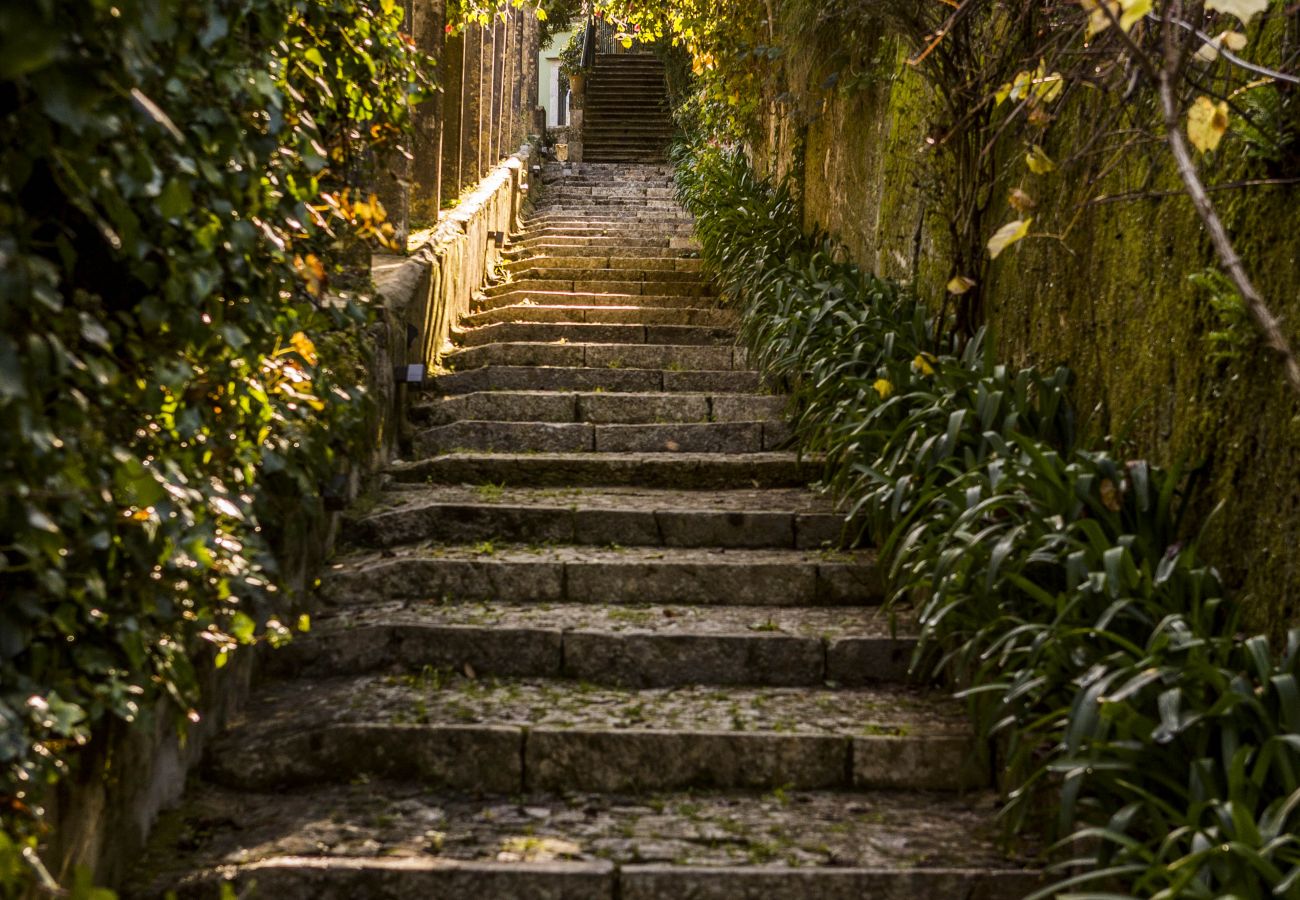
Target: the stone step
pixel 514 735
pixel 582 437
pixel 636 647
pixel 585 300
pixel 610 262
pixel 613 356
pixel 697 471
pixel 557 378
pixel 597 192
pixel 614 155
pixel 631 517
pixel 601 408
pixel 397 840
pixel 592 333
pixel 621 575
pixel 603 315
pixel 608 281
pixel 556 245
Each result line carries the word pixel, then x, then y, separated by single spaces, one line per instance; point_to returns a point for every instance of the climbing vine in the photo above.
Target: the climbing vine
pixel 182 187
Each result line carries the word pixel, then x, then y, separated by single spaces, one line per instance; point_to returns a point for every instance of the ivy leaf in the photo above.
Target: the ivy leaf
pixel 1207 122
pixel 1007 235
pixel 1245 10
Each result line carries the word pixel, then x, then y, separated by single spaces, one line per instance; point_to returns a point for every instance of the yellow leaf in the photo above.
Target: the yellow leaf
pixel 1038 161
pixel 541 14
pixel 884 388
pixel 960 285
pixel 1134 11
pixel 1007 235
pixel 304 622
pixel 1245 10
pixel 1207 123
pixel 922 364
pixel 304 347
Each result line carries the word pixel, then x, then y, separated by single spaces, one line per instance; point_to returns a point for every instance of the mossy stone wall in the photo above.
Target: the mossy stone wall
pixel 1110 298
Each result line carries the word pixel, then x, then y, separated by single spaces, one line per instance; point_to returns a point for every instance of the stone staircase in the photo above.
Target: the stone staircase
pixel 597 640
pixel 627 118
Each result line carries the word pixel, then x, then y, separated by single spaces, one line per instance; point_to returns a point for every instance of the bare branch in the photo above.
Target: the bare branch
pixel 1267 323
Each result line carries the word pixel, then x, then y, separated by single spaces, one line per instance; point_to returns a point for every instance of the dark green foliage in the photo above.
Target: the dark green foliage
pixel 174 390
pixel 1056 585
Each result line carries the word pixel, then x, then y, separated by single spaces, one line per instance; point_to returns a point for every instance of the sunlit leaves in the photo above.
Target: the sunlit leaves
pixel 1007 235
pixel 960 284
pixel 1037 87
pixel 1038 161
pixel 1245 10
pixel 1207 122
pixel 1105 13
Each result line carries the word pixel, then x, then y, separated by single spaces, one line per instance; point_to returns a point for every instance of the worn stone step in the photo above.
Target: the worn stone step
pixel 614 356
pixel 699 471
pixel 584 437
pixel 518 297
pixel 601 408
pixel 614 282
pixel 637 646
pixel 633 517
pixel 558 249
pixel 584 262
pixel 677 270
pixel 593 333
pixel 603 314
pixel 384 839
pixel 557 378
pixel 521 734
pixel 576 574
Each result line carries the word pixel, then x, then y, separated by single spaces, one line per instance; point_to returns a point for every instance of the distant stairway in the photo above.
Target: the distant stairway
pixel 627 110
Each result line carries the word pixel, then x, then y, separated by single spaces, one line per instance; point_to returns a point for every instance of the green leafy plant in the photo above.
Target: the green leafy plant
pixel 1058 588
pixel 178 378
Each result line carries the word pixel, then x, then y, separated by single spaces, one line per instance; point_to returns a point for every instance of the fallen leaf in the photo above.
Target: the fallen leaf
pixel 1207 122
pixel 1007 235
pixel 884 388
pixel 469 672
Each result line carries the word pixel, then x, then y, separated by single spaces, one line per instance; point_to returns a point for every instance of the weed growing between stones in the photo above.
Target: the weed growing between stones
pixel 1058 588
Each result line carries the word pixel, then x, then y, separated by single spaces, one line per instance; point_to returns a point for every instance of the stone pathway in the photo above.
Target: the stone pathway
pixel 597 641
pixel 627 118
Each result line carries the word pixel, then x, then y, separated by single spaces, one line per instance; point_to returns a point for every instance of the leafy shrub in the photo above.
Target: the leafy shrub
pixel 178 184
pixel 1056 587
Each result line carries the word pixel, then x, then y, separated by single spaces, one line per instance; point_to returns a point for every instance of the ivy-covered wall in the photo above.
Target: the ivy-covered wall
pixel 1167 365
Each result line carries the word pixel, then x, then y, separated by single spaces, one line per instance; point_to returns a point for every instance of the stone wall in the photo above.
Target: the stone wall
pixel 1109 296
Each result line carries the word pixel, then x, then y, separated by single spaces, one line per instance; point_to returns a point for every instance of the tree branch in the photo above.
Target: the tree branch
pixel 1267 323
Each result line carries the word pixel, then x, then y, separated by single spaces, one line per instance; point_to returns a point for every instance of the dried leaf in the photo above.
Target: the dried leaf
pixel 1020 201
pixel 1110 496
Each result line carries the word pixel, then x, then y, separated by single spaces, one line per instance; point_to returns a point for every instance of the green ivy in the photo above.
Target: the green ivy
pixel 179 183
pixel 1057 587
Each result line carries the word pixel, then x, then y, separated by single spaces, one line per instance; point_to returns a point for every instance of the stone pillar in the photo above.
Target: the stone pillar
pixel 428 22
pixel 451 150
pixel 471 85
pixel 486 66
